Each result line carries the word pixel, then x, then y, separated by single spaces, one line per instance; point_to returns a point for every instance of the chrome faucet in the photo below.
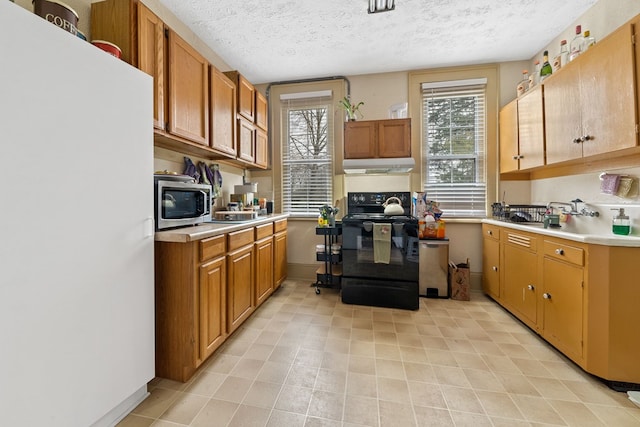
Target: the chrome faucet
pixel 574 208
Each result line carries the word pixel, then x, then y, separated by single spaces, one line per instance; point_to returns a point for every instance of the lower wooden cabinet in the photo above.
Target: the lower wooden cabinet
pixel 264 263
pixel 280 252
pixel 205 289
pixel 190 307
pixel 491 260
pixel 240 299
pixel 577 296
pixel 212 295
pixel 563 297
pixel 521 278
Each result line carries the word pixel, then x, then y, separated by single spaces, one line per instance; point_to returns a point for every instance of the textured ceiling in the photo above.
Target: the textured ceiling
pixel 281 40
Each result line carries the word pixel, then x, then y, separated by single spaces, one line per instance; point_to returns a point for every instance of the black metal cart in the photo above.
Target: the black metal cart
pixel 329 274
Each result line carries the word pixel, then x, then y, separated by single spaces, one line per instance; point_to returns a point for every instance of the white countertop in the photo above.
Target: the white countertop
pixel 595 239
pixel 210 229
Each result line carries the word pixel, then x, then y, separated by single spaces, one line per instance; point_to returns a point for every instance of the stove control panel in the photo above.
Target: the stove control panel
pixel 372 199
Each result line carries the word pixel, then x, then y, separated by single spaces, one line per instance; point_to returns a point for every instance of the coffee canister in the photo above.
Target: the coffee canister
pixel 58 14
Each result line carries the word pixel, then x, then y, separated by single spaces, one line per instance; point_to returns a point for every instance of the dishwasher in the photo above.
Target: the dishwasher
pixel 433 268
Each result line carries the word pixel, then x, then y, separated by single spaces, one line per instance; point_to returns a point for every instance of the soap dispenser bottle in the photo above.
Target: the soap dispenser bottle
pixel 621 223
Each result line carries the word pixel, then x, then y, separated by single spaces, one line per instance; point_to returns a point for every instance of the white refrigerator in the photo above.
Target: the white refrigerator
pixel 76 232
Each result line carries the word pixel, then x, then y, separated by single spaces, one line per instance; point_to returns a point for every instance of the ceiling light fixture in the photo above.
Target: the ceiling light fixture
pixel 376 6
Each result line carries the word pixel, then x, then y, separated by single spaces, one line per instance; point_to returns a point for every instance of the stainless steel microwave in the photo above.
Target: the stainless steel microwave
pixel 180 201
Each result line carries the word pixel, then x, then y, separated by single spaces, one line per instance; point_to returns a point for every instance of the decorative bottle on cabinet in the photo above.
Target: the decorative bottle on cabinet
pixel 523 85
pixel 589 40
pixel 577 44
pixel 563 56
pixel 534 78
pixel 546 69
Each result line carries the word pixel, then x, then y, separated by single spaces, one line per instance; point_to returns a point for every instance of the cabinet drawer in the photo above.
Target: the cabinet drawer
pixel 212 247
pixel 523 240
pixel 264 230
pixel 562 251
pixel 280 225
pixel 241 238
pixel 491 231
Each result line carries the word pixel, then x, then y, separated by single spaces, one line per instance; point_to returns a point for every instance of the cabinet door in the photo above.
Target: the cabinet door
pixel 563 306
pixel 280 255
pixel 151 48
pixel 394 138
pixel 246 140
pixel 212 315
pixel 188 91
pixel 531 129
pixel 246 98
pixel 562 114
pixel 491 267
pixel 608 95
pixel 521 282
pixel 359 139
pixel 261 111
pixel 508 128
pixel 264 269
pixel 223 113
pixel 262 149
pixel 240 301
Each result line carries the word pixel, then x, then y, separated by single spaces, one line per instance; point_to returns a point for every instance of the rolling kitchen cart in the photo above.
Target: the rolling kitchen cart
pixel 329 274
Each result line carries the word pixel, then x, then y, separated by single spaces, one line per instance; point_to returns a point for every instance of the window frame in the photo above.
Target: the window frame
pixel 415 81
pixel 467 198
pixel 275 90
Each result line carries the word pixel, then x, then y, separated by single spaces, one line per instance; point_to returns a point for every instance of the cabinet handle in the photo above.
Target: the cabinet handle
pixel 490 233
pixel 494 268
pixel 585 138
pixel 531 287
pixel 516 157
pixel 559 251
pixel 576 140
pixel 546 296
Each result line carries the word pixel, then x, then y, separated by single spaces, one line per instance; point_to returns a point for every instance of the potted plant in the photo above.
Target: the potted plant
pixel 350 108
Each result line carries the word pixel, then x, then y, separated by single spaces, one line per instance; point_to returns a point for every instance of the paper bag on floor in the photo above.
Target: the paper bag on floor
pixel 459 278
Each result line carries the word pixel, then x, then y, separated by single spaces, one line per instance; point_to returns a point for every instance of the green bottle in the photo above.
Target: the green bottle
pixel 546 69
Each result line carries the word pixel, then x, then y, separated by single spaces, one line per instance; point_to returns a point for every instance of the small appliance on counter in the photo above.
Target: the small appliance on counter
pixel 179 201
pixel 235 215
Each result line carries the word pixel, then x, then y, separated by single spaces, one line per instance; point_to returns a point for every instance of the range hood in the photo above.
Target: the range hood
pixel 378 165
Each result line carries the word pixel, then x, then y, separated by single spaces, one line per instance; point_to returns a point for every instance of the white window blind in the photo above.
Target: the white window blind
pixel 454 146
pixel 307 152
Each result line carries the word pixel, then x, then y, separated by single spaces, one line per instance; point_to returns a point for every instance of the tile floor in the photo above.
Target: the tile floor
pixel 308 360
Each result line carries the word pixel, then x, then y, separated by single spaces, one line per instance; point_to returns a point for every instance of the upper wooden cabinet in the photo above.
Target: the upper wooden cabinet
pixel 262 149
pixel 261 111
pixel 531 142
pixel 188 91
pixel 521 124
pixel 508 128
pixel 141 40
pixel 590 105
pixel 246 95
pixel 377 138
pixel 253 141
pixel 223 113
pixel 180 73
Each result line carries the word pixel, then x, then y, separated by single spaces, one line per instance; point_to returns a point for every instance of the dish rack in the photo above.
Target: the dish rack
pixel 518 213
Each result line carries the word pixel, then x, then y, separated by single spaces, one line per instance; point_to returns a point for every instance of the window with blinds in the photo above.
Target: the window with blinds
pixel 307 152
pixel 454 146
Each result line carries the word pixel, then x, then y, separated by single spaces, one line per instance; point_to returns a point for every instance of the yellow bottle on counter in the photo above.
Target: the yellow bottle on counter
pixel 440 229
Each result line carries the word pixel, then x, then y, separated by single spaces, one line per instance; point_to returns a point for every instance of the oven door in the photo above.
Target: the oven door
pixel 358 252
